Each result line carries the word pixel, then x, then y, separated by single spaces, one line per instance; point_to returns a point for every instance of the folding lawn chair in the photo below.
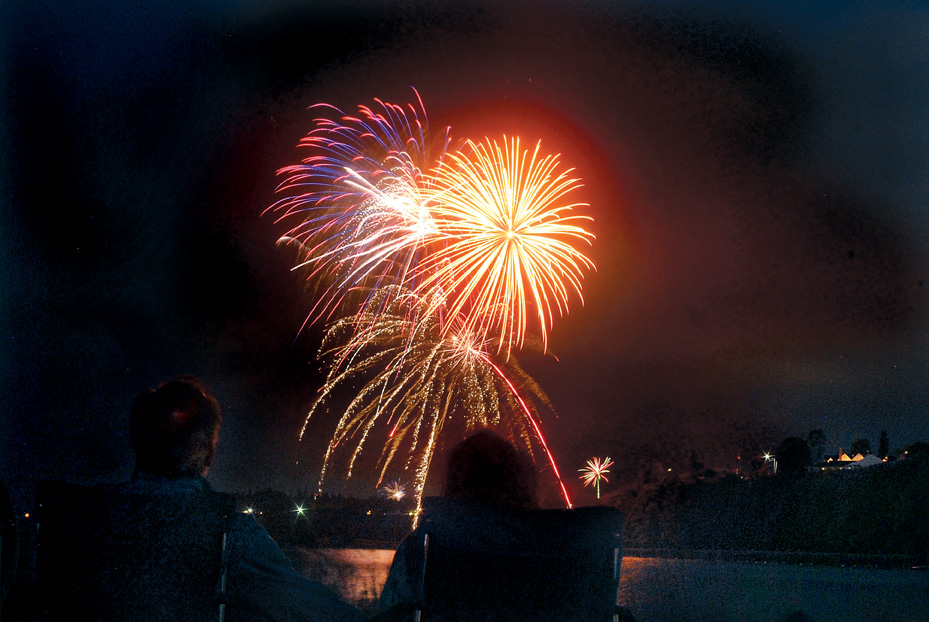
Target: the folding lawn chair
pixel 492 565
pixel 131 552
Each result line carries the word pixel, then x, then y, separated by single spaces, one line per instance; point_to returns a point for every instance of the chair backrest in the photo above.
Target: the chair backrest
pixel 488 565
pixel 131 552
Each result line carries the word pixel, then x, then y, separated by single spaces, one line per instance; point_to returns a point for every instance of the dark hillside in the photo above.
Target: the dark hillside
pixel 876 511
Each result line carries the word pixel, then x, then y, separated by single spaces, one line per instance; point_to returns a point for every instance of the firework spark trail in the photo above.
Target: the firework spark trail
pixel 537 429
pixel 507 239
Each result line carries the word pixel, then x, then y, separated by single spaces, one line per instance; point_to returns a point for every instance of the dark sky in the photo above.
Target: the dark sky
pixel 758 179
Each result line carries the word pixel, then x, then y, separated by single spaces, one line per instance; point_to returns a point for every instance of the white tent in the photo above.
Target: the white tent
pixel 869 460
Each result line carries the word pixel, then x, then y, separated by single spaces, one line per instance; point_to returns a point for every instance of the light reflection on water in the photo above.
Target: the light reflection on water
pixel 670 590
pixel 357 574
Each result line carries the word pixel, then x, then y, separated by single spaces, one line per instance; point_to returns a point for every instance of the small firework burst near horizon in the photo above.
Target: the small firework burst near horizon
pixel 394 490
pixel 595 471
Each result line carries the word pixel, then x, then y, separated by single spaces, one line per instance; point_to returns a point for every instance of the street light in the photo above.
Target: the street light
pixel 771 458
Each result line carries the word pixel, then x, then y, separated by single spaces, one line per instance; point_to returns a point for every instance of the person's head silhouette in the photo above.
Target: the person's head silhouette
pixel 489 470
pixel 174 429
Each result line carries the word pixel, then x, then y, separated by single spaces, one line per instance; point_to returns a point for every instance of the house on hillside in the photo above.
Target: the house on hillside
pixel 840 457
pixel 843 461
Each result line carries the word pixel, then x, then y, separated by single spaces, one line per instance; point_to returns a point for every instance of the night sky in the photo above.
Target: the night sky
pixel 758 179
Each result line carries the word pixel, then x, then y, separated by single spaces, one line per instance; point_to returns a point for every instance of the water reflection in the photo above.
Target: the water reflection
pixel 357 574
pixel 661 589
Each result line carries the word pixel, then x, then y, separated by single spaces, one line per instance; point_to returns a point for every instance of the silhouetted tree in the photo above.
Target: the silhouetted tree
pixel 817 442
pixel 861 446
pixel 883 445
pixel 793 456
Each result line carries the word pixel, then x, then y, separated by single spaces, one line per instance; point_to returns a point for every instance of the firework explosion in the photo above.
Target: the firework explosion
pixel 595 471
pixel 419 379
pixel 359 202
pixel 507 239
pixel 430 269
pixel 395 491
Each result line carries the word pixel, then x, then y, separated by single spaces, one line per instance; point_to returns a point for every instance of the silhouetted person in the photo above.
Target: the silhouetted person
pixel 483 470
pixel 173 431
pixel 485 552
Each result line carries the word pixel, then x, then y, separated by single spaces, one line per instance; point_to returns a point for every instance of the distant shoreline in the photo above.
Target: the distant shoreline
pixel 804 558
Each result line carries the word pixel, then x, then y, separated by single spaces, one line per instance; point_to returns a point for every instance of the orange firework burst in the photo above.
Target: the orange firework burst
pixel 508 231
